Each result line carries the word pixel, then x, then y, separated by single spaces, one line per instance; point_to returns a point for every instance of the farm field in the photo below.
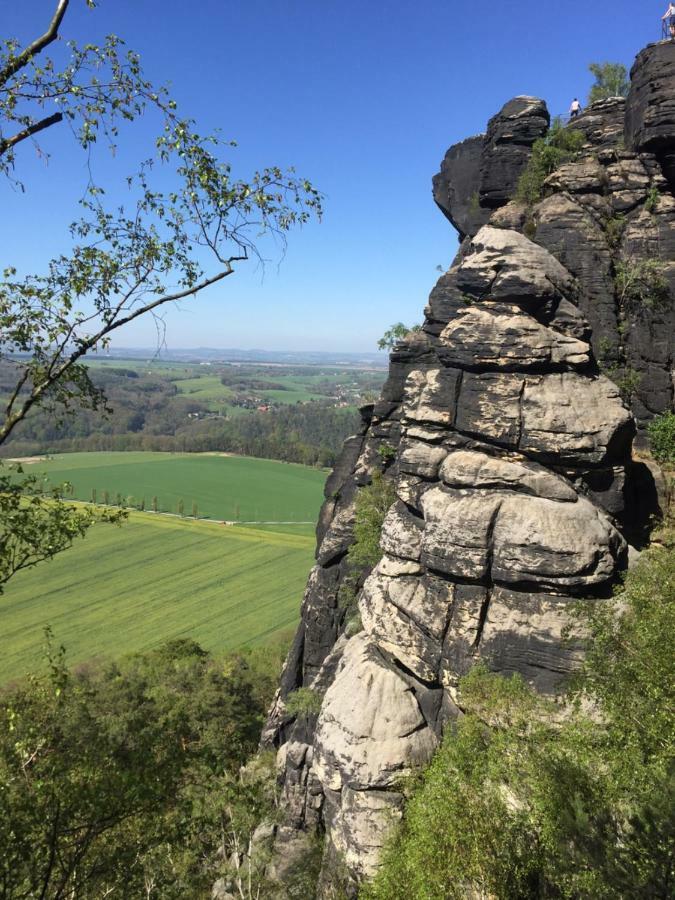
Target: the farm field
pixel 216 387
pixel 126 589
pixel 222 487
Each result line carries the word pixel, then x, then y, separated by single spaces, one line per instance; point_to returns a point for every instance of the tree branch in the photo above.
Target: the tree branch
pixel 7 143
pixel 38 45
pixel 87 344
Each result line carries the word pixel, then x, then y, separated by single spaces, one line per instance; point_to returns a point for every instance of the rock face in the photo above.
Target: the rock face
pixel 481 173
pixel 510 454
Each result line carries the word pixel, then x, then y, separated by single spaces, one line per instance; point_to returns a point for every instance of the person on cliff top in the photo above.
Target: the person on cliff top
pixel 575 108
pixel 669 20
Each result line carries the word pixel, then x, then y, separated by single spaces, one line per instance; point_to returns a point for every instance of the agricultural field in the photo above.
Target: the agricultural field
pixel 222 487
pixel 129 588
pixel 227 389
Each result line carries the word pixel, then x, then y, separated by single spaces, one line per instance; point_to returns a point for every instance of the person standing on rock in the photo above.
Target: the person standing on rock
pixel 669 22
pixel 575 108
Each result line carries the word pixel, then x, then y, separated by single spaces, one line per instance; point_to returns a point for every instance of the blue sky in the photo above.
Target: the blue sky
pixel 362 98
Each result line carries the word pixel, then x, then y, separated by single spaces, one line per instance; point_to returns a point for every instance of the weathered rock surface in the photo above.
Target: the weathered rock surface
pixel 455 187
pixel 512 463
pixel 650 108
pixel 508 143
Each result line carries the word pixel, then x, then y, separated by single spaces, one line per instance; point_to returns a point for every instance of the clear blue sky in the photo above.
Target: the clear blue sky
pixel 363 98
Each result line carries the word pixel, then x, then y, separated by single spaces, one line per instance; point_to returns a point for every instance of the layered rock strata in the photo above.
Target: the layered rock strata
pixel 510 454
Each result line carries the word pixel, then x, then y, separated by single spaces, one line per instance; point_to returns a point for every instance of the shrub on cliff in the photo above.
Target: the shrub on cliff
pixel 559 145
pixel 662 437
pixel 519 804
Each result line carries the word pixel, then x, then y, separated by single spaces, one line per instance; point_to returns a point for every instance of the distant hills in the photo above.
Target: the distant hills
pixel 264 357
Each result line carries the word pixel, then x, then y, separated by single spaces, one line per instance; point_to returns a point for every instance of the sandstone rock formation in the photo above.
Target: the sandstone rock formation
pixel 510 453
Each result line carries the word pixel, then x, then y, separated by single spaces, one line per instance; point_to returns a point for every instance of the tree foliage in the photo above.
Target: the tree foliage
pixel 124 779
pixel 372 504
pixel 662 437
pixel 611 80
pixel 527 800
pixel 37 522
pixel 395 335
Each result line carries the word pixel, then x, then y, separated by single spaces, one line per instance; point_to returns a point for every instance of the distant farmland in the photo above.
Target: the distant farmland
pixel 222 487
pixel 126 589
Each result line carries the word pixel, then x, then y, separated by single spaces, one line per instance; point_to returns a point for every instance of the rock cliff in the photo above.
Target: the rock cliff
pixel 507 430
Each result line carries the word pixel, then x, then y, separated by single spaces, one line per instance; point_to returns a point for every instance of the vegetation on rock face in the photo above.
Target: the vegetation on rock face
pixel 640 283
pixel 124 779
pixel 395 334
pixel 303 701
pixel 611 80
pixel 661 432
pixel 558 146
pixel 525 801
pixel 372 503
pixel 165 244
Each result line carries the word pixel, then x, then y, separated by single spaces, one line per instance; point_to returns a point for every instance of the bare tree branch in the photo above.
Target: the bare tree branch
pixel 37 46
pixel 59 372
pixel 47 122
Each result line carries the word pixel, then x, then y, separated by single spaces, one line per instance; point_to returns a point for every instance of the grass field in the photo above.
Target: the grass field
pixel 223 487
pixel 126 589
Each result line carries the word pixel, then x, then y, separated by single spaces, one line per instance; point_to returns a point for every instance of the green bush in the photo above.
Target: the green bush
pixel 304 701
pixel 614 229
pixel 520 802
pixel 653 198
pixel 372 504
pixel 558 146
pixel 395 334
pixel 661 432
pixel 641 283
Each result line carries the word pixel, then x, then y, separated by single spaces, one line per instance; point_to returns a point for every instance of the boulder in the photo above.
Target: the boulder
pixel 371 730
pixel 505 265
pixel 473 469
pixel 501 336
pixel 491 536
pixel 456 186
pixel 602 122
pixel 508 145
pixel 407 616
pixel 650 107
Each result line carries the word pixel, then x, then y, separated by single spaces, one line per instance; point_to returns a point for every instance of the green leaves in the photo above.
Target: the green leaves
pixel 611 80
pixel 162 246
pixel 395 335
pixel 558 146
pixel 662 437
pixel 125 778
pixel 36 522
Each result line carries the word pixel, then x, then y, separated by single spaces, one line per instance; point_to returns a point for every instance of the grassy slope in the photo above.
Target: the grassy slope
pixel 125 589
pixel 263 490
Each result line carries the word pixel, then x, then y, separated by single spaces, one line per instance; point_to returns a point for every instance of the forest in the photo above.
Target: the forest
pixel 150 412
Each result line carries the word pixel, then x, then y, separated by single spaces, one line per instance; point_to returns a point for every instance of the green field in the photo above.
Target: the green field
pixel 126 589
pixel 223 487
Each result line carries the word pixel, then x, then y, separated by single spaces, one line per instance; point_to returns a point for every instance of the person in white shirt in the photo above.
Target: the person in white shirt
pixel 669 21
pixel 575 108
